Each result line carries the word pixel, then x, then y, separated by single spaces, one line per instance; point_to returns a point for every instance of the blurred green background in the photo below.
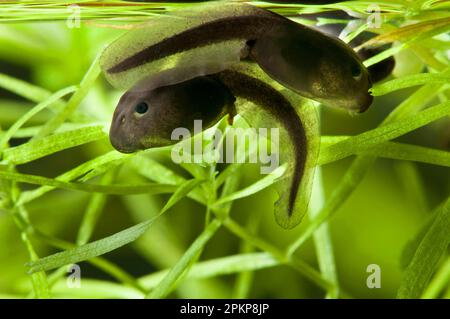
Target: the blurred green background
pixel 386 211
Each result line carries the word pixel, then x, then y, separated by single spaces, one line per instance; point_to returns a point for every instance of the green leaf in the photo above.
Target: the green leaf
pixel 102 264
pixel 75 100
pixel 105 245
pixel 385 133
pixel 409 36
pixel 182 191
pixel 39 279
pixel 409 81
pixel 41 106
pixel 105 166
pixel 94 209
pixel 150 188
pixel 439 282
pixel 202 270
pixel 155 171
pixel 217 267
pixel 322 238
pixel 29 91
pixel 412 32
pixel 36 149
pixel 427 256
pixel 392 150
pixel 87 168
pixel 95 289
pixel 167 283
pixel 385 54
pixel 254 188
pixel 96 248
pixel 411 246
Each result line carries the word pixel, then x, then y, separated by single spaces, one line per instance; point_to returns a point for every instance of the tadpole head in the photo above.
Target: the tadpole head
pixel 127 125
pixel 316 66
pixel 341 80
pixel 146 119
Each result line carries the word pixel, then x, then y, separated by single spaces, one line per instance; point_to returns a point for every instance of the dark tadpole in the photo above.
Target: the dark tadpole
pixel 303 59
pixel 147 118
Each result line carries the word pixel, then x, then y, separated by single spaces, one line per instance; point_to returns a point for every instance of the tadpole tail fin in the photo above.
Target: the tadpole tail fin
pixel 294 188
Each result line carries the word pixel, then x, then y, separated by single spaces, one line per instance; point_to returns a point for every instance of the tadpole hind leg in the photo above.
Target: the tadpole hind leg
pixel 246 50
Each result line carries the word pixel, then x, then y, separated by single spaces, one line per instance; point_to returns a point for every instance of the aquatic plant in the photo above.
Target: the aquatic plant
pixel 73 211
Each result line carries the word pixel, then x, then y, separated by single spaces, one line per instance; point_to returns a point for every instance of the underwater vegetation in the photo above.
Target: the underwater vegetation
pixel 93 204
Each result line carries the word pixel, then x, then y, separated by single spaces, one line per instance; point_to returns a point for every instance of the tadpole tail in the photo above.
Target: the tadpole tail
pixel 278 106
pixel 246 27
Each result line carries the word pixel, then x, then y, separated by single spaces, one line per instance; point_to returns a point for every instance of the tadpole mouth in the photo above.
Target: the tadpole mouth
pixel 123 145
pixel 366 103
pixel 122 140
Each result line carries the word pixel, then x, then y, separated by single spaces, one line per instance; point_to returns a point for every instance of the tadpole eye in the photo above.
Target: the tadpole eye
pixel 141 108
pixel 356 71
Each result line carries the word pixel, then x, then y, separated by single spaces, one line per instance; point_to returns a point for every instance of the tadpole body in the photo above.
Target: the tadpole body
pixel 300 59
pixel 303 59
pixel 146 119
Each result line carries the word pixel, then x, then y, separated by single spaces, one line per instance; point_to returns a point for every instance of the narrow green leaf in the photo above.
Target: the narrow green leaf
pixel 106 164
pixel 85 169
pixel 439 282
pixel 36 149
pixel 105 245
pixel 102 264
pixel 94 209
pixel 32 93
pixel 385 54
pixel 254 188
pixel 428 254
pixel 38 108
pixel 245 279
pixel 73 103
pixel 322 238
pixel 95 289
pixel 412 32
pixel 386 132
pixel 202 270
pixel 155 171
pixel 167 283
pixel 392 150
pixel 39 279
pixel 411 246
pixel 94 249
pixel 30 131
pixel 150 188
pixel 29 91
pixel 409 81
pixel 182 191
pixel 297 264
pixel 217 267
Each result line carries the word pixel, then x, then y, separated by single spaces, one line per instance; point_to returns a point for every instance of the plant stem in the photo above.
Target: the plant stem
pixel 294 262
pixel 167 283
